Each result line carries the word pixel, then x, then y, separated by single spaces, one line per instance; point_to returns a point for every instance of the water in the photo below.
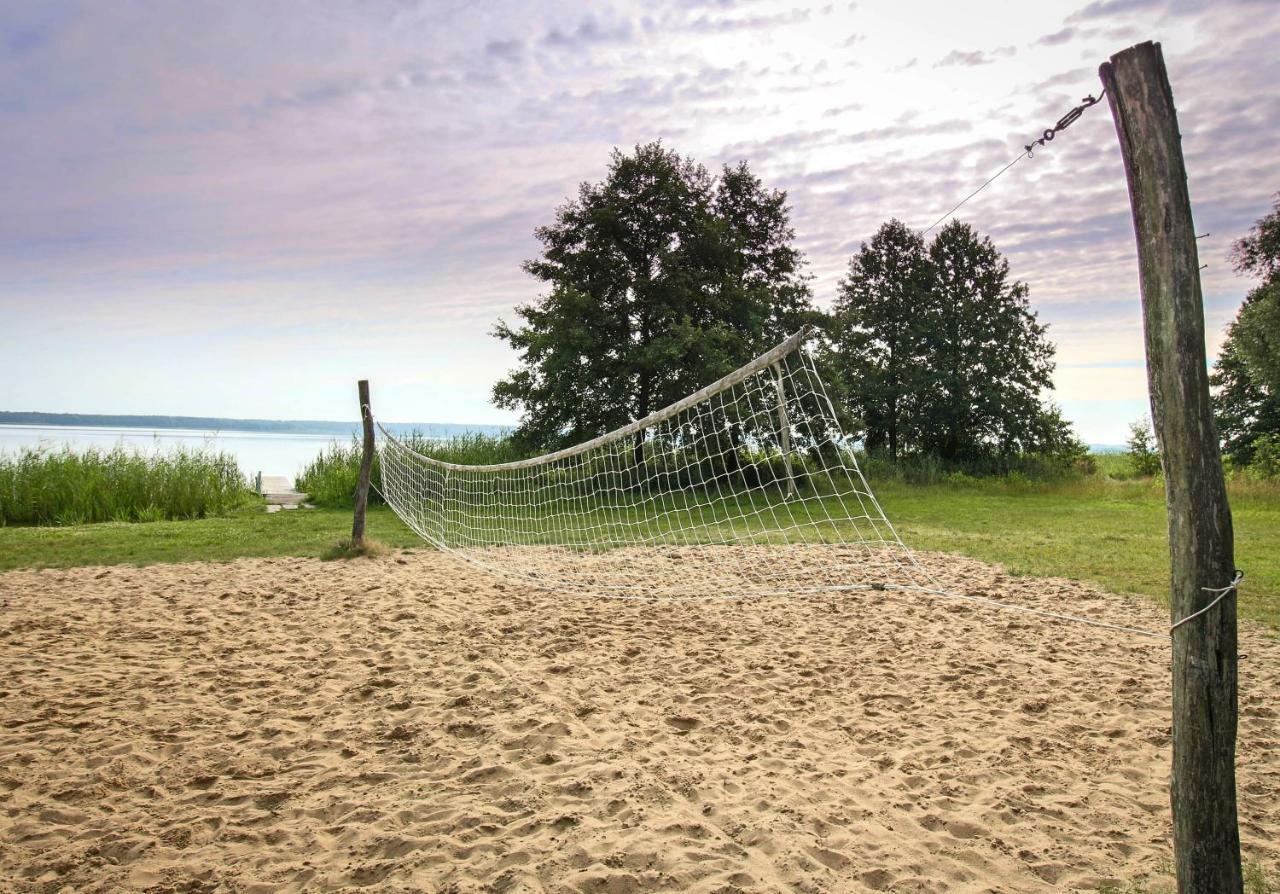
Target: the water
pixel 272 453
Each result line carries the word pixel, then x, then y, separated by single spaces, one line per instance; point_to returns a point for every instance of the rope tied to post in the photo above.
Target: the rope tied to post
pixel 1046 136
pixel 1221 594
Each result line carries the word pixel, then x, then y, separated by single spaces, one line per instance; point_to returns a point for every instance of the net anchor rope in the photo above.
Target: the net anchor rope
pixel 1221 594
pixel 745 488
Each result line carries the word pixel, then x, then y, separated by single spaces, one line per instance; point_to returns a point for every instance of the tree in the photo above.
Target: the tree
pixel 1259 252
pixel 1246 400
pixel 1247 374
pixel 763 266
pixel 877 337
pixel 1256 333
pixel 988 358
pixel 660 279
pixel 940 353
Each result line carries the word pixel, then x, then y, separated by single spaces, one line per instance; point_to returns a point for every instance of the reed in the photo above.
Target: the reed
pixel 70 487
pixel 330 479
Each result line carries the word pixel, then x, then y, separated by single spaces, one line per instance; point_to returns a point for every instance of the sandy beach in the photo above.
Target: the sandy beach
pixel 412 724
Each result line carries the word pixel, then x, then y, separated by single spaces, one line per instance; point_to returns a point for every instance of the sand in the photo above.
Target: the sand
pixel 408 723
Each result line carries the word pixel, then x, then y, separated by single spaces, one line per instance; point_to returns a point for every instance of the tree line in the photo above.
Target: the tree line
pixel 664 276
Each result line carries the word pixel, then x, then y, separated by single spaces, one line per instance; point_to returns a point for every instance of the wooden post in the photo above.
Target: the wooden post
pixel 366 465
pixel 1203 788
pixel 784 430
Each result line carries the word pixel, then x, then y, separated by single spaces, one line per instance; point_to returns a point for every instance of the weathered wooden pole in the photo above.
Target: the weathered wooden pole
pixel 366 465
pixel 784 430
pixel 1203 790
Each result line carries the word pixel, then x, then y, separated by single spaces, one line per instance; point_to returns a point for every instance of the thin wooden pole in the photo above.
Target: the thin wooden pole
pixel 784 429
pixel 1203 790
pixel 366 465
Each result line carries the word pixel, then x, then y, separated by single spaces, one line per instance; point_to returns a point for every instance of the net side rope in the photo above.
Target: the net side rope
pixel 1219 593
pixel 1027 152
pixel 929 591
pixel 939 591
pixel 1222 593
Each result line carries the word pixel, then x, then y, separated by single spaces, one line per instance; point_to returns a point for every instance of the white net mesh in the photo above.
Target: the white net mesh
pixel 745 488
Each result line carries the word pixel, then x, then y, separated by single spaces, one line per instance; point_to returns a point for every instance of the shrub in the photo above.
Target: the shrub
pixel 1144 460
pixel 1266 457
pixel 1071 462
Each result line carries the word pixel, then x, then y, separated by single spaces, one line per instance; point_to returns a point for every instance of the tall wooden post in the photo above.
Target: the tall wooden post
pixel 366 465
pixel 1203 790
pixel 784 430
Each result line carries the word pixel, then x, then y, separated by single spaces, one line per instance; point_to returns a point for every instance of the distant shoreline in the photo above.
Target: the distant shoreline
pixel 219 424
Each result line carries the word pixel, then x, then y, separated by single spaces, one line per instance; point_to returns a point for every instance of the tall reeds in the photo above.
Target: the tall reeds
pixel 330 479
pixel 66 486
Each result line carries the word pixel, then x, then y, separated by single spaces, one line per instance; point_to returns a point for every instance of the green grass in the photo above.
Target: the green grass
pixel 1257 880
pixel 1111 532
pixel 297 532
pixel 347 548
pixel 72 487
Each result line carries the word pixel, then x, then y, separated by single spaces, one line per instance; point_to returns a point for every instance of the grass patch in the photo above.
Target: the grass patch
pixel 75 487
pixel 1112 533
pixel 346 548
pixel 247 533
pixel 1257 880
pixel 1107 531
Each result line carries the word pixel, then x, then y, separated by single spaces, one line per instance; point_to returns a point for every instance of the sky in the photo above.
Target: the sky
pixel 238 208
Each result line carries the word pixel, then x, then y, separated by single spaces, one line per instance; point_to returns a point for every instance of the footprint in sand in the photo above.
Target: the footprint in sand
pixel 684 725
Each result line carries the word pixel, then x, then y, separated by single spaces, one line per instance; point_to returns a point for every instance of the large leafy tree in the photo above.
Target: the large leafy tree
pixel 659 279
pixel 880 364
pixel 1247 374
pixel 940 352
pixel 988 358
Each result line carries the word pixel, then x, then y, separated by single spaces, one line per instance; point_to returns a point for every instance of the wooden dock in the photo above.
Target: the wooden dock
pixel 280 494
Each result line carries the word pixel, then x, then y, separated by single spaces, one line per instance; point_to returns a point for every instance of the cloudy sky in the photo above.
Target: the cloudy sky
pixel 238 208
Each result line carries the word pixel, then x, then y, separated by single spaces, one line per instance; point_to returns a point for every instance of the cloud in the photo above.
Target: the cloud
pixel 1104 9
pixel 206 162
pixel 588 32
pixel 1074 78
pixel 706 24
pixel 509 50
pixel 843 110
pixel 1101 9
pixel 1061 36
pixel 974 57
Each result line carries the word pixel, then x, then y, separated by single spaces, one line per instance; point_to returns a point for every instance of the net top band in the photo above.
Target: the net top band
pixel 767 359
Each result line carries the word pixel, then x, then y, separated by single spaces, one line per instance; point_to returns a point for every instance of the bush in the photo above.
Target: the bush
pixel 330 479
pixel 69 487
pixel 1073 461
pixel 1266 457
pixel 1144 460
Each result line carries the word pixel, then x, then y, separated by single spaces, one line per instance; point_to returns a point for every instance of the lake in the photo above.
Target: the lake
pixel 272 453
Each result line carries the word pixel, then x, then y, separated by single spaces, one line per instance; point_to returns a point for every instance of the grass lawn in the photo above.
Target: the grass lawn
pixel 299 532
pixel 1100 530
pixel 1108 532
